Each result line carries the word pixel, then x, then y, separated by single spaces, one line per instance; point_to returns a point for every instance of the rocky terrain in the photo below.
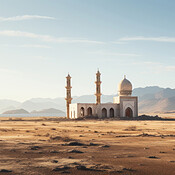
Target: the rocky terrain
pixel 53 146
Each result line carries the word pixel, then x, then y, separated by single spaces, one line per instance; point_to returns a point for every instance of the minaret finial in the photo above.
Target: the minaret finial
pixel 124 76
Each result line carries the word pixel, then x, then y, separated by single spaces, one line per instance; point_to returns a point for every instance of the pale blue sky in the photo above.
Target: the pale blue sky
pixel 42 40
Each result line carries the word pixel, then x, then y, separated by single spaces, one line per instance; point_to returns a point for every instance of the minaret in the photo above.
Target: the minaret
pixel 68 94
pixel 98 89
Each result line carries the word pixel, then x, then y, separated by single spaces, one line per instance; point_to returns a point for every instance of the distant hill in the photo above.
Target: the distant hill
pixel 17 111
pixel 151 99
pixel 49 111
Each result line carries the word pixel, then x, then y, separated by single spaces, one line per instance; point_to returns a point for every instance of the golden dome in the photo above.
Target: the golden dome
pixel 125 87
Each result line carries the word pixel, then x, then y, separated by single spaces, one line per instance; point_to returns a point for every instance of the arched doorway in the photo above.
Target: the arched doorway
pixel 89 111
pixel 128 112
pixel 82 112
pixel 104 113
pixel 111 111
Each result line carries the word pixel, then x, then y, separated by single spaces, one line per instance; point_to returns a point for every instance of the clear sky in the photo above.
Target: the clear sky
pixel 42 40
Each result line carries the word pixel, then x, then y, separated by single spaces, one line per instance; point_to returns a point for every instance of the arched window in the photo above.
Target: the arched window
pixel 128 112
pixel 104 113
pixel 111 111
pixel 89 111
pixel 82 112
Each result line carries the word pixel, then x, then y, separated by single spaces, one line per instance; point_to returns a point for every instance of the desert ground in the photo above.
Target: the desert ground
pixel 50 146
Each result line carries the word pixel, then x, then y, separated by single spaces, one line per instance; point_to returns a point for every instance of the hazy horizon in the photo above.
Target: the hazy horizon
pixel 74 95
pixel 41 41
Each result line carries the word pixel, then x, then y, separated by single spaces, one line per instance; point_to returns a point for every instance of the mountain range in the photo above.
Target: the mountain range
pixel 151 99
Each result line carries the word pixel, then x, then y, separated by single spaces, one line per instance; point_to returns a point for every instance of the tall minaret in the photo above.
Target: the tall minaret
pixel 98 89
pixel 68 93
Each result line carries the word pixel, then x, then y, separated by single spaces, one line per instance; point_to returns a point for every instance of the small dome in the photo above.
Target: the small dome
pixel 125 87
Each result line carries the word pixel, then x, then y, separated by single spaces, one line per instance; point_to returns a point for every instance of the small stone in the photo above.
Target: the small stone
pixel 35 147
pixel 93 144
pixel 128 169
pixel 81 167
pixel 105 146
pixel 5 171
pixel 65 172
pixel 153 157
pixel 54 161
pixel 75 144
pixel 162 152
pixel 54 151
pixel 60 168
pixel 75 151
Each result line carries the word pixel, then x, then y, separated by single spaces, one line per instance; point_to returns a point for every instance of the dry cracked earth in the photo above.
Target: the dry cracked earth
pixel 50 146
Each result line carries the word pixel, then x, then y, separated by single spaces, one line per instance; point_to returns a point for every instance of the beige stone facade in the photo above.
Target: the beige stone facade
pixel 124 105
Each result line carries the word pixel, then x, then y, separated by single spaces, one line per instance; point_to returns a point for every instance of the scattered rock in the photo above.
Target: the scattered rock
pixel 35 147
pixel 153 157
pixel 5 171
pixel 93 144
pixel 56 138
pixel 54 151
pixel 129 169
pixel 13 150
pixel 54 161
pixel 81 167
pixel 75 151
pixel 65 172
pixel 162 152
pixel 146 148
pixel 172 161
pixel 60 168
pixel 105 146
pixel 74 143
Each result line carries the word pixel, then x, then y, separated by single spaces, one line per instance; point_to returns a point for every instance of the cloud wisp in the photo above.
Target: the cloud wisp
pixel 27 46
pixel 116 54
pixel 142 38
pixel 156 66
pixel 25 17
pixel 47 38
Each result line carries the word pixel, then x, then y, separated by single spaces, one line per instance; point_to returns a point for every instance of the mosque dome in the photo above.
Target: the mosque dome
pixel 125 87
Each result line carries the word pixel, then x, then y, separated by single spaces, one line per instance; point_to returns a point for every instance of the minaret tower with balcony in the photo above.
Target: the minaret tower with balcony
pixel 68 93
pixel 98 88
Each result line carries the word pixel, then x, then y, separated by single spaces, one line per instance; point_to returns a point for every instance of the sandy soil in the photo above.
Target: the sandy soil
pixel 38 146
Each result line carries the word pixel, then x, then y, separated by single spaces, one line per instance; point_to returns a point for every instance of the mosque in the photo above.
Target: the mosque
pixel 124 105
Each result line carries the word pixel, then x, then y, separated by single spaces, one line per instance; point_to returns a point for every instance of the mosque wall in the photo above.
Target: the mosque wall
pixel 128 102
